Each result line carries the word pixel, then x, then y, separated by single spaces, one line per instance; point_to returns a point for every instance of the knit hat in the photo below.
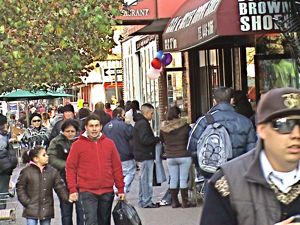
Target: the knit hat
pixel 277 103
pixel 3 120
pixel 68 108
pixel 35 114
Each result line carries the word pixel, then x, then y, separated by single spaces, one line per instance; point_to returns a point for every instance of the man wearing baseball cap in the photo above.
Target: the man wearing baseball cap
pixel 263 185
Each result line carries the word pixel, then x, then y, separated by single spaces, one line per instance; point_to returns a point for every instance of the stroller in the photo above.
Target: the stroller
pixel 8 207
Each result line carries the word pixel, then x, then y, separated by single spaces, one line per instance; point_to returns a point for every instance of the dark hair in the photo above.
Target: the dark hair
pixel 70 122
pixel 35 114
pixel 68 108
pixel 92 116
pixel 147 105
pixel 99 106
pixel 173 113
pixel 84 103
pixel 135 105
pixel 107 105
pixel 117 112
pixel 12 116
pixel 60 109
pixel 104 117
pixel 222 94
pixel 3 120
pixel 121 103
pixel 31 153
pixel 83 112
pixel 45 116
pixel 127 106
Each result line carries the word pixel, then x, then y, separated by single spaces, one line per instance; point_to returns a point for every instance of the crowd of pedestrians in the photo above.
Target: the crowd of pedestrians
pixel 98 153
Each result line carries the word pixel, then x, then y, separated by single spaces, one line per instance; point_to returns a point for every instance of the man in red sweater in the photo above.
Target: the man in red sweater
pixel 93 167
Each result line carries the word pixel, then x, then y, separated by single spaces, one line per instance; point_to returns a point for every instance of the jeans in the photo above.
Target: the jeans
pixel 179 171
pixel 4 183
pixel 35 222
pixel 129 168
pixel 96 208
pixel 146 179
pixel 66 209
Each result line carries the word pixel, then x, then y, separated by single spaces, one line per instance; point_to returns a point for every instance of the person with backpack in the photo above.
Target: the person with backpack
pixel 262 186
pixel 237 132
pixel 174 135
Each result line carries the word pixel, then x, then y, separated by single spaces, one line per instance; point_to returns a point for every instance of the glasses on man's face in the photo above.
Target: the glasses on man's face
pixel 285 125
pixel 35 121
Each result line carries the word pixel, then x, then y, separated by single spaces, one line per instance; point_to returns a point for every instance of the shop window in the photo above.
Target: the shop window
pixel 176 91
pixel 250 53
pixel 209 59
pixel 276 71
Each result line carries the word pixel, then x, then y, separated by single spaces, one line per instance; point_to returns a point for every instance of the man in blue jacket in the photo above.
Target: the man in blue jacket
pixel 239 128
pixel 121 134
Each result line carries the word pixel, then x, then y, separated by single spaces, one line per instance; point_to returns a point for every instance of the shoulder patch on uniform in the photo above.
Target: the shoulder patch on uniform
pixel 222 186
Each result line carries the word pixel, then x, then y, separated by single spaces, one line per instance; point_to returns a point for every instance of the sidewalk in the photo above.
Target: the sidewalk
pixel 164 215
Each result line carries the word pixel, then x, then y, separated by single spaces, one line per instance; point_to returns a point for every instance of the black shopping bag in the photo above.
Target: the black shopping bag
pixel 125 214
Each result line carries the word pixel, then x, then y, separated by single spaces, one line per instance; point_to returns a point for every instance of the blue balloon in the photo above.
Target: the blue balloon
pixel 159 54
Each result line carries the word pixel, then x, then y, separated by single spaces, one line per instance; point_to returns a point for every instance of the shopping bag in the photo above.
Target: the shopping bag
pixel 125 214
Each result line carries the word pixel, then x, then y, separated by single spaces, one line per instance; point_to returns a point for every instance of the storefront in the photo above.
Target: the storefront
pixel 137 54
pixel 228 43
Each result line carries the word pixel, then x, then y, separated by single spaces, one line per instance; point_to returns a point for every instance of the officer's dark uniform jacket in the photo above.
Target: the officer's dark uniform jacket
pixel 240 195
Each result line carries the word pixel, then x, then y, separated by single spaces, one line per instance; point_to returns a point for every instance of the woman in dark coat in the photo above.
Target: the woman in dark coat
pixel 58 152
pixel 174 135
pixel 36 134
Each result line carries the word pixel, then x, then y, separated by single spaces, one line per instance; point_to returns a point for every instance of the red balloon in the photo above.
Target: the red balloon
pixel 156 63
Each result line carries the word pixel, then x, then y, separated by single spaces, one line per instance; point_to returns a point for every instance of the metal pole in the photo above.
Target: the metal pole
pixel 116 84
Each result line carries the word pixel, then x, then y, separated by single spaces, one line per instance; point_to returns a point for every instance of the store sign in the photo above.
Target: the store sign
pixel 144 42
pixel 192 17
pixel 114 71
pixel 260 15
pixel 198 23
pixel 138 10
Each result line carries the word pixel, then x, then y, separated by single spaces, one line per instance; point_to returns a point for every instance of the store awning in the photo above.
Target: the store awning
pixel 199 21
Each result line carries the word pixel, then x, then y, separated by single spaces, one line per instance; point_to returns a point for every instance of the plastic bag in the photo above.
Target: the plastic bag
pixel 125 214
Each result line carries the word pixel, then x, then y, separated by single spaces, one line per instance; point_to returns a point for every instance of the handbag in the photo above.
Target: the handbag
pixel 125 214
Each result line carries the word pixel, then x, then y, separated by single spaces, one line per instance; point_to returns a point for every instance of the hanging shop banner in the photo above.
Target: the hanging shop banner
pixel 199 21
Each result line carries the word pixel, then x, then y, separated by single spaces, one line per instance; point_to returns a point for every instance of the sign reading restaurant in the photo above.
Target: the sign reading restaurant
pixel 260 15
pixel 138 10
